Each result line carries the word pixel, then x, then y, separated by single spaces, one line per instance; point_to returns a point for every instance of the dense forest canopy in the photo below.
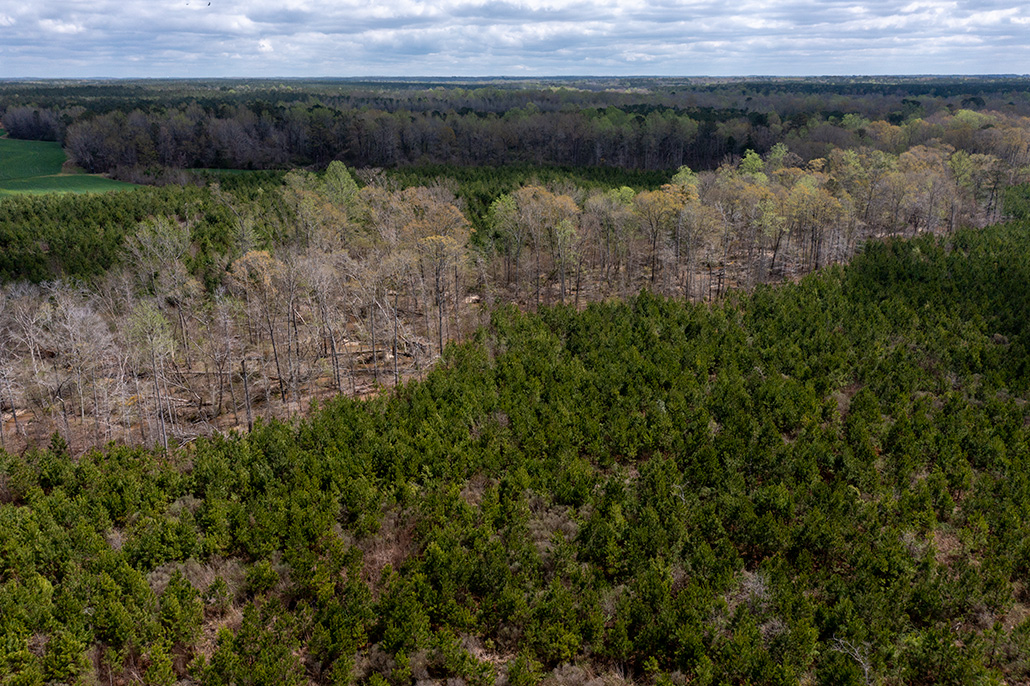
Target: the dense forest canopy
pixel 315 281
pixel 519 381
pixel 646 123
pixel 258 290
pixel 823 482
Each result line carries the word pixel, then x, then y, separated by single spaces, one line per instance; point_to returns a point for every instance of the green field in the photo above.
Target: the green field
pixel 35 167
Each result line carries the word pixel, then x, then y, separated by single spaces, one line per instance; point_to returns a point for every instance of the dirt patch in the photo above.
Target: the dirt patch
pixel 844 396
pixel 948 547
pixel 208 640
pixel 392 545
pixel 1016 616
pixel 474 489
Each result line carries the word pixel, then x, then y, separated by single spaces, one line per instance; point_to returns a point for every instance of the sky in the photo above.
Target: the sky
pixel 309 38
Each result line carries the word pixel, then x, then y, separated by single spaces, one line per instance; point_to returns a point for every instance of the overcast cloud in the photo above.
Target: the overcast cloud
pixel 197 38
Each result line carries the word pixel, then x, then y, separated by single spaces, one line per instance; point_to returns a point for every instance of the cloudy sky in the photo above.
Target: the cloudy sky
pixel 195 38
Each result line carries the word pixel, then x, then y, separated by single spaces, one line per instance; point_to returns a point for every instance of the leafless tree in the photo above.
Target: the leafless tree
pixel 860 654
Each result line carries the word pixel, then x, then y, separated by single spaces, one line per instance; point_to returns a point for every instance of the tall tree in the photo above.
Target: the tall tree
pixel 153 343
pixel 658 213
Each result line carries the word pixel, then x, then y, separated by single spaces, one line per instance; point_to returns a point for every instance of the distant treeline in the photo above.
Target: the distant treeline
pixel 624 123
pixel 267 136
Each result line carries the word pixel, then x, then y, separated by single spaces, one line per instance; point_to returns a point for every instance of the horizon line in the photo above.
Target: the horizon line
pixel 512 77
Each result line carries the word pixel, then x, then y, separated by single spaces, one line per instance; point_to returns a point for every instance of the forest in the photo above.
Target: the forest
pixel 213 296
pixel 569 381
pixel 132 127
pixel 817 482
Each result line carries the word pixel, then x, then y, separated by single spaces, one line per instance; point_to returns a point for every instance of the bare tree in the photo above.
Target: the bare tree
pixel 8 357
pixel 256 277
pixel 220 347
pixel 153 344
pixel 860 654
pixel 84 345
pixel 157 253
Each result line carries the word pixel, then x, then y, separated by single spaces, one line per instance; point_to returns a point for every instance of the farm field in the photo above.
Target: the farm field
pixel 36 167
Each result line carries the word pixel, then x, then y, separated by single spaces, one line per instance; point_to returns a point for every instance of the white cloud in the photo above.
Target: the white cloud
pixel 991 18
pixel 63 27
pixel 477 37
pixel 931 6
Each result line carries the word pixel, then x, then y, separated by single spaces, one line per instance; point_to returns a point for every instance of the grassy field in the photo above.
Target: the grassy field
pixel 36 167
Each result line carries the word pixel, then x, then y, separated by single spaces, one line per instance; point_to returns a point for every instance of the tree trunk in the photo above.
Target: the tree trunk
pixel 139 408
pixel 457 319
pixel 246 395
pixel 185 343
pixel 157 400
pixel 375 357
pixel 337 381
pixel 275 355
pixel 235 405
pixel 396 373
pixel 353 376
pixel 439 320
pixel 96 413
pixel 14 409
pixel 579 273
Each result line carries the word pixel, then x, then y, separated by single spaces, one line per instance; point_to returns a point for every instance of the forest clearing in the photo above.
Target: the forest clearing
pixel 37 167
